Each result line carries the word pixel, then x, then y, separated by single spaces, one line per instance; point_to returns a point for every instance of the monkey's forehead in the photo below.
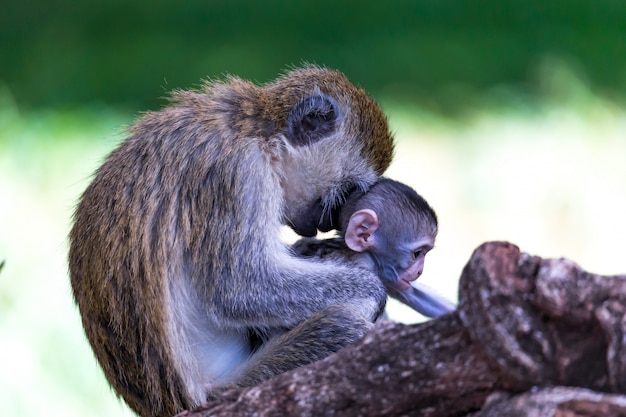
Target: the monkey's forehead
pixel 364 122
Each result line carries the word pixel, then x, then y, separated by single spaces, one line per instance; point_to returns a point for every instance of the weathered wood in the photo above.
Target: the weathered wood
pixel 556 402
pixel 522 322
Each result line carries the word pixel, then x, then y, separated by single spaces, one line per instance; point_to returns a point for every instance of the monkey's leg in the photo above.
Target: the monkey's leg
pixel 315 338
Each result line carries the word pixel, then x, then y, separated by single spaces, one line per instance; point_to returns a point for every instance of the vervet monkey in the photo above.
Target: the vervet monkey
pixel 389 230
pixel 176 263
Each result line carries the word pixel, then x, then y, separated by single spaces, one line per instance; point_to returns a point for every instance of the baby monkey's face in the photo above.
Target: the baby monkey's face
pixel 397 251
pixel 409 263
pixel 400 262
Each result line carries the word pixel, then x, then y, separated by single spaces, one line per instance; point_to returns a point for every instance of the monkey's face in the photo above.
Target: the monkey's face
pixel 321 163
pixel 315 183
pixel 336 139
pixel 399 264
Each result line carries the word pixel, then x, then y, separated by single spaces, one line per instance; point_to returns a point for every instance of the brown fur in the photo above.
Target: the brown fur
pixel 175 253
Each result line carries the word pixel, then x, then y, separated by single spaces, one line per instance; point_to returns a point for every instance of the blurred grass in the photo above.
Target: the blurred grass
pixel 45 160
pixel 548 176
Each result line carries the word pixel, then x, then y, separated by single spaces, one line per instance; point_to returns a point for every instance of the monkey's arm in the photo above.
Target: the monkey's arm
pixel 423 300
pixel 419 297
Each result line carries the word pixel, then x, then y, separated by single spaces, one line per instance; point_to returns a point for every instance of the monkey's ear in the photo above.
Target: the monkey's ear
pixel 311 119
pixel 359 234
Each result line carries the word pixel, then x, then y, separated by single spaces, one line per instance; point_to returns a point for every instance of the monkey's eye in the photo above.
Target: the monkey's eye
pixel 420 252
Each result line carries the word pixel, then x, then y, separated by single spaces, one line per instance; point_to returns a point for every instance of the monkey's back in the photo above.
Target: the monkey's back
pixel 193 179
pixel 161 197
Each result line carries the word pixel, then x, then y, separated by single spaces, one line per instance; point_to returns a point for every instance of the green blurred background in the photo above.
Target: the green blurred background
pixel 509 117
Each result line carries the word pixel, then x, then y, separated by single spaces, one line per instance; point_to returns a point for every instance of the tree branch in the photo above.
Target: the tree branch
pixel 522 322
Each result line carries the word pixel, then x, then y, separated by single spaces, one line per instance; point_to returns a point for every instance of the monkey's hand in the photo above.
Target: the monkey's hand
pixel 318 248
pixel 423 299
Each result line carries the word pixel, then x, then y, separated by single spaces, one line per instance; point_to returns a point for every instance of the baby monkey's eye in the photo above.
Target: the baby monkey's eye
pixel 420 252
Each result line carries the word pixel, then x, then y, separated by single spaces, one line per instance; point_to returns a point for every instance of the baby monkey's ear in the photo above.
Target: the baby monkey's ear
pixel 359 234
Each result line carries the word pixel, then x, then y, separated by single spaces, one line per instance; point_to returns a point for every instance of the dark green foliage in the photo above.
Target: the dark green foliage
pixel 438 53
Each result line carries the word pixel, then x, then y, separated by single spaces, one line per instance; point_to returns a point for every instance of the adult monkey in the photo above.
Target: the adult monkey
pixel 182 281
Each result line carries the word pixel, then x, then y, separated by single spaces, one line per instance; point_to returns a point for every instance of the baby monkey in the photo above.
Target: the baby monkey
pixel 388 230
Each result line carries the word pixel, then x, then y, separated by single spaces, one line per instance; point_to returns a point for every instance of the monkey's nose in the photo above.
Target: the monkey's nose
pixel 411 278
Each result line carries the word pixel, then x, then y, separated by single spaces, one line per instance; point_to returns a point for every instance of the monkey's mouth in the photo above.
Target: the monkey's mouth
pixel 329 219
pixel 330 216
pixel 320 215
pixel 403 284
pixel 318 218
pixel 315 217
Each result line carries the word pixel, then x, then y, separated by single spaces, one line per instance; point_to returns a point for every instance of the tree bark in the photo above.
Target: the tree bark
pixel 556 402
pixel 522 322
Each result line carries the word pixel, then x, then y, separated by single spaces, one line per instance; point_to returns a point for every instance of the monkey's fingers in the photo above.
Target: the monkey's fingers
pixel 426 301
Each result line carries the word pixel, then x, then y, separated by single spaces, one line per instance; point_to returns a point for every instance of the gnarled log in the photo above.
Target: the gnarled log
pixel 522 322
pixel 556 402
